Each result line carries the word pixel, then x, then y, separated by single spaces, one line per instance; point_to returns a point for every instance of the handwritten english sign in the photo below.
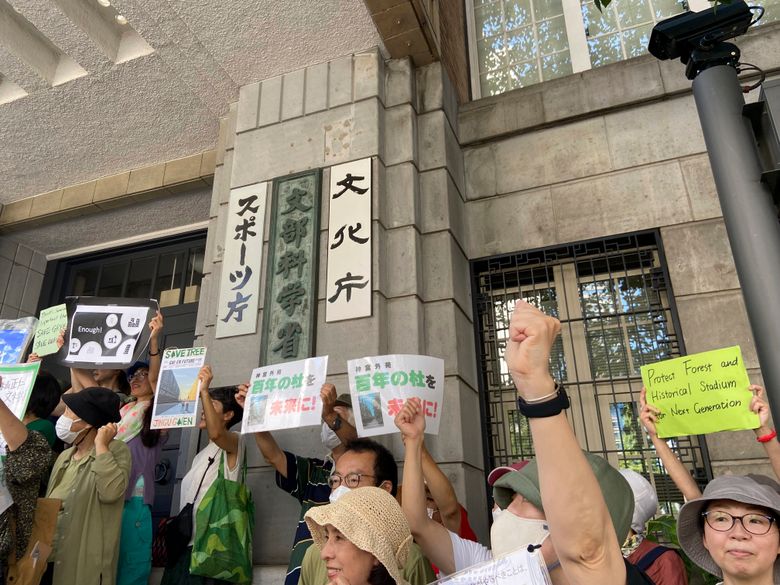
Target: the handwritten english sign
pixel 700 393
pixel 52 321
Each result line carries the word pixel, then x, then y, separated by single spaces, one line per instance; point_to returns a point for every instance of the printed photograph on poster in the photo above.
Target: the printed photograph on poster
pixel 177 396
pixel 51 322
pixel 380 386
pixel 285 396
pixel 15 337
pixel 106 331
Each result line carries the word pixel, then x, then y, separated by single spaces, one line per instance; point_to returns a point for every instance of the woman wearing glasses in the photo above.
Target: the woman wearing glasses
pixel 732 531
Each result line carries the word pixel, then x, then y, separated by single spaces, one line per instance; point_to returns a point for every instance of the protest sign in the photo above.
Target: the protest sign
pixel 108 332
pixel 178 388
pixel 516 568
pixel 285 396
pixel 51 322
pixel 700 393
pixel 380 386
pixel 15 336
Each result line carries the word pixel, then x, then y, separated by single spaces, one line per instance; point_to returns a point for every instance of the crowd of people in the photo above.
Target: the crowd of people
pixel 584 520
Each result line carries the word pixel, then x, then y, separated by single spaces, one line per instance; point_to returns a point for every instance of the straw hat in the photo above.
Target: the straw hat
pixel 738 488
pixel 371 519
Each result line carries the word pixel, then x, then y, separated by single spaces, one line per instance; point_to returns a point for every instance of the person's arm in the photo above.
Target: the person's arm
pixel 80 379
pixel 678 473
pixel 111 466
pixel 215 424
pixel 761 408
pixel 346 432
pixel 432 537
pixel 155 359
pixel 13 430
pixel 442 492
pixel 580 526
pixel 268 446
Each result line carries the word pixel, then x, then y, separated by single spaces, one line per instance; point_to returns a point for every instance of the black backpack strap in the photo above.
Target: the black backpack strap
pixel 647 560
pixel 636 576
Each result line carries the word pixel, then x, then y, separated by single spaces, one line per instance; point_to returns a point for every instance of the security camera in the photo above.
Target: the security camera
pixel 679 35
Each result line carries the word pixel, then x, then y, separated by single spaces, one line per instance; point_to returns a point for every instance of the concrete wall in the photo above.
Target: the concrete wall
pixel 351 108
pixel 21 278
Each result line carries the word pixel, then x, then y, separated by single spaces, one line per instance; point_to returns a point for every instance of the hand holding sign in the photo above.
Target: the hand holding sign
pixel 760 407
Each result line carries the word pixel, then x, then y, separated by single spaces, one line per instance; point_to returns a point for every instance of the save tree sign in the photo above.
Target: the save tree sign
pixel 700 393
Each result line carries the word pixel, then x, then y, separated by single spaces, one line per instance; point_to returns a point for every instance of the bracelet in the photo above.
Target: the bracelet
pixel 548 407
pixel 766 438
pixel 542 398
pixel 155 353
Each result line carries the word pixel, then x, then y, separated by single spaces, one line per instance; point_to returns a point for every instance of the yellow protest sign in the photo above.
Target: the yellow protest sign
pixel 700 393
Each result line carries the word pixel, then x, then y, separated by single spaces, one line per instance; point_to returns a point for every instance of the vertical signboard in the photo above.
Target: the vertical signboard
pixel 349 242
pixel 239 286
pixel 291 274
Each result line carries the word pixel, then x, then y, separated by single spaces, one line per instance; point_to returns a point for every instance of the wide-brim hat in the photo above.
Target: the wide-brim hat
pixel 615 489
pixel 96 406
pixel 737 488
pixel 499 472
pixel 371 519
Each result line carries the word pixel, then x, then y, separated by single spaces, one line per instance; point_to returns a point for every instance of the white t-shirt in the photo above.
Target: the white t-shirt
pixel 467 552
pixel 201 469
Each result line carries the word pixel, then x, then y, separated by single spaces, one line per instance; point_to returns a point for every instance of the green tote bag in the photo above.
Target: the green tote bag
pixel 224 523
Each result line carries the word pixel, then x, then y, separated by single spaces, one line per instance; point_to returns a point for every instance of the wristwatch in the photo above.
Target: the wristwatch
pixel 555 405
pixel 336 423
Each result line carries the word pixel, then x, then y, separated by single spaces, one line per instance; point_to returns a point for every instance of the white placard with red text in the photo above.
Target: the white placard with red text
pixel 381 384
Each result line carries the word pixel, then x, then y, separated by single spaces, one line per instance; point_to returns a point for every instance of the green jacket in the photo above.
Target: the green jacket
pixel 87 545
pixel 417 571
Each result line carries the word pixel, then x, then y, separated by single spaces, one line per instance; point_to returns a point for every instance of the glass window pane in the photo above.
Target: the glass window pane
pixel 606 347
pixel 665 8
pixel 517 13
pixel 524 74
pixel 139 284
pixel 495 82
pixel 771 11
pixel 84 281
pixel 488 20
pixel 632 13
pixel 597 23
pixel 547 9
pixel 194 275
pixel 166 287
pixel 491 53
pixel 605 50
pixel 598 298
pixel 635 40
pixel 556 65
pixel 520 45
pixel 111 280
pixel 552 36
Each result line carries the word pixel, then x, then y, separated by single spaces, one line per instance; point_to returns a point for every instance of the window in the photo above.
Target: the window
pixel 613 299
pixel 517 43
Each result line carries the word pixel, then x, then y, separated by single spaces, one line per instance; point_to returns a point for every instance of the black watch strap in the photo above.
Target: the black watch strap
pixel 551 407
pixel 336 423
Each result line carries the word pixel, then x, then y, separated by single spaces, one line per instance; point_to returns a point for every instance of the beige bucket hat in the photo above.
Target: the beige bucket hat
pixel 371 519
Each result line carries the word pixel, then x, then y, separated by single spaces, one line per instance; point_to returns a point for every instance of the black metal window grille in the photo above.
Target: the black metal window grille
pixel 616 308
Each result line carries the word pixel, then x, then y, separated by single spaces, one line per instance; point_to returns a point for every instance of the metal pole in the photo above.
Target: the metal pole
pixel 748 211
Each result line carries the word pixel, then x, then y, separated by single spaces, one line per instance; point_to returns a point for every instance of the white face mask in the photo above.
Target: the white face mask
pixel 496 513
pixel 338 492
pixel 329 437
pixel 63 429
pixel 510 533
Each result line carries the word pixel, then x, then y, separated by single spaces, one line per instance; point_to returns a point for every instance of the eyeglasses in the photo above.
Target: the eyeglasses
pixel 140 375
pixel 351 480
pixel 757 524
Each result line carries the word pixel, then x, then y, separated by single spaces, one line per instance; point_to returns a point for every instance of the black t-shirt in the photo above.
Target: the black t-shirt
pixel 635 576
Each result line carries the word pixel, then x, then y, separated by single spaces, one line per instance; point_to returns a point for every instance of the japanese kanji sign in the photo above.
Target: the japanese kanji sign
pixel 239 287
pixel 516 568
pixel 52 321
pixel 380 385
pixel 178 388
pixel 15 336
pixel 700 393
pixel 291 294
pixel 16 386
pixel 285 396
pixel 106 331
pixel 349 242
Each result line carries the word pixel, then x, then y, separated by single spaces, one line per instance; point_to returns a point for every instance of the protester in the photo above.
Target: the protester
pixel 90 478
pixel 305 478
pixel 732 530
pixel 679 474
pixel 365 463
pixel 662 564
pixel 220 412
pixel 363 538
pixel 22 473
pixel 145 444
pixel 44 399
